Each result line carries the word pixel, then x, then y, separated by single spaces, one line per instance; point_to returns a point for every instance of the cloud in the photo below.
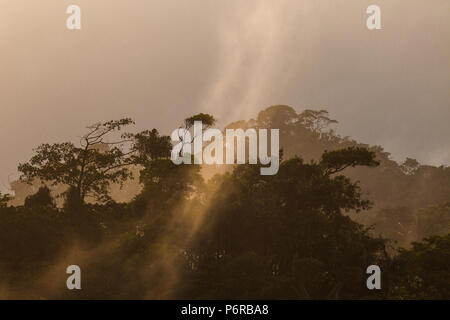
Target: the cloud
pixel 161 61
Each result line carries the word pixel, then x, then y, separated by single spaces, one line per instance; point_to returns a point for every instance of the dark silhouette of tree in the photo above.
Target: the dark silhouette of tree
pixel 339 160
pixel 4 198
pixel 283 236
pixel 42 198
pixel 151 146
pixel 422 272
pixel 293 235
pixel 89 169
pixel 206 119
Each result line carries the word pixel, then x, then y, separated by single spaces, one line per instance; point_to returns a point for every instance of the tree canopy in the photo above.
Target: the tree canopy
pixel 309 232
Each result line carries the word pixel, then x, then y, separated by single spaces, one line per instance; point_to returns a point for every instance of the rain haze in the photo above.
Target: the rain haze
pixel 161 61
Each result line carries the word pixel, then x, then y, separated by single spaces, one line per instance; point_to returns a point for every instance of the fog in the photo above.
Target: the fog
pixel 160 61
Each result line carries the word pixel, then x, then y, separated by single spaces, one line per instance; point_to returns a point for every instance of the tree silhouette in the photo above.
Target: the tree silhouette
pixel 42 198
pixel 293 235
pixel 4 198
pixel 90 168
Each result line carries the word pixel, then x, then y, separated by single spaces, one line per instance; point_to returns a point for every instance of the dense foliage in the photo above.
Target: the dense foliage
pixel 238 234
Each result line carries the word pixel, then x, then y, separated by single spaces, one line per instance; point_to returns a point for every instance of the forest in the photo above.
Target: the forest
pixel 335 207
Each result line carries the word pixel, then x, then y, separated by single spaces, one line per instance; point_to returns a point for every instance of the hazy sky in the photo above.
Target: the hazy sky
pixel 160 61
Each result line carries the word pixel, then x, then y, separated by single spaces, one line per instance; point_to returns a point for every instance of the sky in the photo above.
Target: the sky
pixel 159 62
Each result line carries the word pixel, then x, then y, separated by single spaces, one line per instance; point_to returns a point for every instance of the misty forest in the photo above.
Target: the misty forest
pixel 141 227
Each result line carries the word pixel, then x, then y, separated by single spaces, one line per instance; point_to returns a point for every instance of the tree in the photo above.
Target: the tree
pixel 165 183
pixel 4 199
pixel 316 121
pixel 42 198
pixel 283 236
pixel 151 146
pixel 410 166
pixel 338 160
pixel 277 117
pixel 422 272
pixel 88 169
pixel 206 119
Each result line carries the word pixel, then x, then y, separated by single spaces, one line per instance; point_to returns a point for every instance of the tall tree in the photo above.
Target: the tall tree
pixel 89 168
pixel 283 236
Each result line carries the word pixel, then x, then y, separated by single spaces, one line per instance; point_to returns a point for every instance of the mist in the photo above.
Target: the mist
pixel 161 61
